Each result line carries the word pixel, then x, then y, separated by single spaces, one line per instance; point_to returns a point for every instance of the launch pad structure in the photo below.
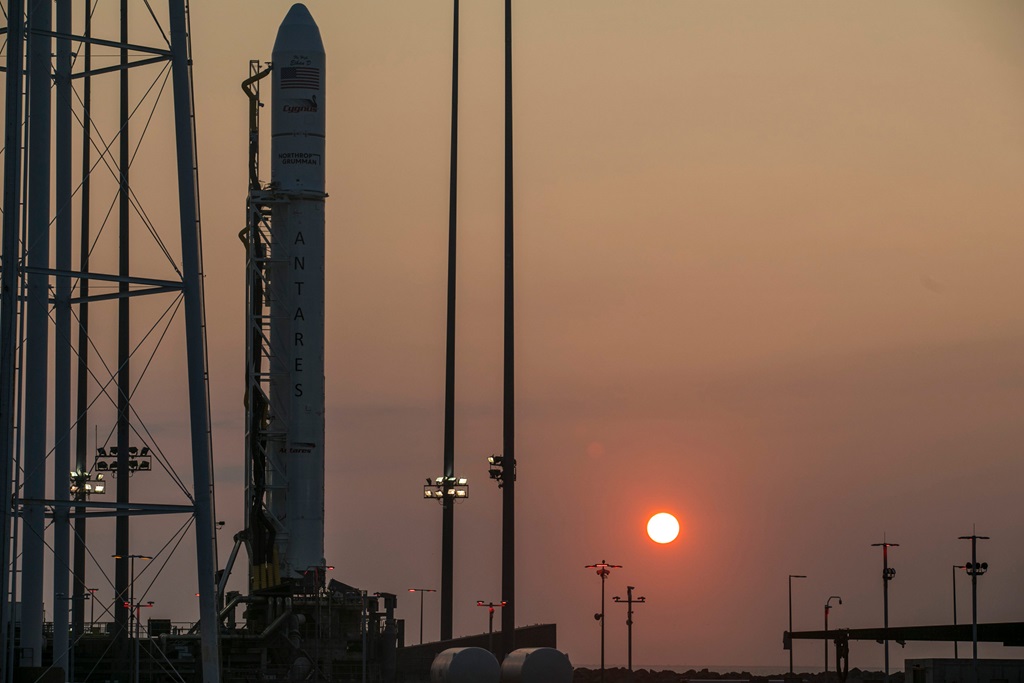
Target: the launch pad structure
pixel 44 86
pixel 291 624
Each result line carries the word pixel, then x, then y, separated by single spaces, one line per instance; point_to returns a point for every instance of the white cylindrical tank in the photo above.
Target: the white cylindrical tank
pixel 295 473
pixel 465 665
pixel 536 665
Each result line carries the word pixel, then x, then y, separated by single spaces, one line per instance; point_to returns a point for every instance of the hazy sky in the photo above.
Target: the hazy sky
pixel 768 279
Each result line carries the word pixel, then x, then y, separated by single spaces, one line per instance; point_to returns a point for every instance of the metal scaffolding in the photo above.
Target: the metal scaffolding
pixel 42 300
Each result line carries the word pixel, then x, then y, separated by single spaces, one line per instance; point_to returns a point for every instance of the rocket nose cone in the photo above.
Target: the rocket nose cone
pixel 298 31
pixel 298 14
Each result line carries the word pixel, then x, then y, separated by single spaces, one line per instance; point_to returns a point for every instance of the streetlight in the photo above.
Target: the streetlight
pixel 956 644
pixel 828 606
pixel 603 570
pixel 92 609
pixel 421 591
pixel 791 577
pixel 629 621
pixel 131 605
pixel 975 569
pixel 490 620
pixel 887 575
pixel 136 608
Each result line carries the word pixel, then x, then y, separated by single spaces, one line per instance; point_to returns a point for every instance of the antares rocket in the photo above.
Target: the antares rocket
pixel 295 297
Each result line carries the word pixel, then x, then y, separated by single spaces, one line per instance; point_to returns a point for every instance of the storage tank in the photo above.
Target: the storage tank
pixel 536 665
pixel 465 665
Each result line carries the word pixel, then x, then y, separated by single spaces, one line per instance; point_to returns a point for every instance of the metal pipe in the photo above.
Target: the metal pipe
pixel 37 329
pixel 195 341
pixel 82 399
pixel 62 342
pixel 8 312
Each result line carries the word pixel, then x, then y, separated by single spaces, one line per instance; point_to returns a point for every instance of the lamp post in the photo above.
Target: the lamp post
pixel 132 606
pixel 629 621
pixel 503 471
pixel 956 644
pixel 135 609
pixel 887 575
pixel 490 620
pixel 92 608
pixel 975 569
pixel 421 591
pixel 828 606
pixel 70 663
pixel 446 490
pixel 791 577
pixel 603 570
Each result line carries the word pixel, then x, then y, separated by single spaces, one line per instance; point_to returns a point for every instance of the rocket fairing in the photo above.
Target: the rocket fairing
pixel 295 472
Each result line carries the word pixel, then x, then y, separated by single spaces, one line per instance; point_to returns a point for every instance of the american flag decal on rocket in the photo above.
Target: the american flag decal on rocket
pixel 305 77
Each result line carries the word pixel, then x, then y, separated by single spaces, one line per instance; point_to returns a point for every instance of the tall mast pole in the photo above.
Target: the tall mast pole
pixel 82 398
pixel 448 514
pixel 508 463
pixel 121 529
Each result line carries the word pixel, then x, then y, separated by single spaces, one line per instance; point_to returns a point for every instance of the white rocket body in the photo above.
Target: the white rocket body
pixel 295 495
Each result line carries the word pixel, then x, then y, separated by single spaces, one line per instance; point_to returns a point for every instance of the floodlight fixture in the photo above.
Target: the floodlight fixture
pixel 81 484
pixel 496 469
pixel 443 489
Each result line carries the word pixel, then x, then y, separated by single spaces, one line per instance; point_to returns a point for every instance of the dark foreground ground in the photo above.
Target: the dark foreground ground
pixel 648 676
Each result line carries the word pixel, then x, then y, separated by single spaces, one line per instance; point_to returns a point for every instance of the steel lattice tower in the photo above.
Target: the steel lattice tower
pixel 50 71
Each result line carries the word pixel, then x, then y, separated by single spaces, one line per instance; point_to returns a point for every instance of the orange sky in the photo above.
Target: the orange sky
pixel 768 262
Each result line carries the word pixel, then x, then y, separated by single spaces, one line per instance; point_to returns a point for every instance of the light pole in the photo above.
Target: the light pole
pixel 132 606
pixel 447 490
pixel 421 591
pixel 92 609
pixel 490 620
pixel 887 574
pixel 629 621
pixel 828 606
pixel 135 609
pixel 791 577
pixel 956 644
pixel 603 570
pixel 975 569
pixel 91 597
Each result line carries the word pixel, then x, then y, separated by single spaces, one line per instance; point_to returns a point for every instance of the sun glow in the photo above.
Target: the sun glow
pixel 663 528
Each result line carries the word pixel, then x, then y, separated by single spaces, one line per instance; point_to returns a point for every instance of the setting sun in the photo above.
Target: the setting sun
pixel 663 528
